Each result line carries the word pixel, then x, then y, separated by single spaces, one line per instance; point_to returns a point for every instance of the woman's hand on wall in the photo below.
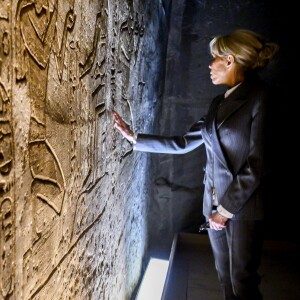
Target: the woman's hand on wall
pixel 123 128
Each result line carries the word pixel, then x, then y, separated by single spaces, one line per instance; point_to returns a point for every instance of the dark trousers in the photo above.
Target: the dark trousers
pixel 237 252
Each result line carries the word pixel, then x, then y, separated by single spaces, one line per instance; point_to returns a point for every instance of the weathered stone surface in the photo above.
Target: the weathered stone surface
pixel 72 200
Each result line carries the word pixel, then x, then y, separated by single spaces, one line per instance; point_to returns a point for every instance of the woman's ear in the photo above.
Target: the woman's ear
pixel 230 60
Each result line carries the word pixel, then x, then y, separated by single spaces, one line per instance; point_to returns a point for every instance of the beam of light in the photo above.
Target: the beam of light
pixel 153 281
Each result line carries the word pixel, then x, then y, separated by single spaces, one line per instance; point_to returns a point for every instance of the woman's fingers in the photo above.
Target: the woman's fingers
pixel 117 117
pixel 122 126
pixel 119 121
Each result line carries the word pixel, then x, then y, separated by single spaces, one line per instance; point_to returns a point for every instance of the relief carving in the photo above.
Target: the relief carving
pixel 35 40
pixel 130 30
pixel 7 227
pixel 7 245
pixel 4 10
pixel 65 194
pixel 5 136
pixel 94 67
pixel 88 155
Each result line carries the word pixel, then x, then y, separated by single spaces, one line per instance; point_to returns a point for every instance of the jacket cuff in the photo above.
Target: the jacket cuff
pixel 221 210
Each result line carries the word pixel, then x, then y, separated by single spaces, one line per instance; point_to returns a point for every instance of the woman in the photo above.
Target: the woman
pixel 233 132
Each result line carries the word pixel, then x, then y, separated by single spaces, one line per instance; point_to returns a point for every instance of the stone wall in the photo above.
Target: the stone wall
pixel 72 194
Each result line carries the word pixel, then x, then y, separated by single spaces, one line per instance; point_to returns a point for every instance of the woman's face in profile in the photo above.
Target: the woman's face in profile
pixel 219 70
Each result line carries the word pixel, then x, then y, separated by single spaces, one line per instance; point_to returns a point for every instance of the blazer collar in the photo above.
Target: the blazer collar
pixel 238 97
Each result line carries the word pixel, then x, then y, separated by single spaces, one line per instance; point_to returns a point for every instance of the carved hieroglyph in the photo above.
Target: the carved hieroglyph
pixel 64 65
pixel 7 203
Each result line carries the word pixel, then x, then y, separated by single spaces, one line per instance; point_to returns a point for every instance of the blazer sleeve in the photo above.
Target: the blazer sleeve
pixel 171 144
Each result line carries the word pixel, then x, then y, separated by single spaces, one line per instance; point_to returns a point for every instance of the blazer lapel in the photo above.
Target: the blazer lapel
pixel 211 115
pixel 216 146
pixel 211 129
pixel 237 99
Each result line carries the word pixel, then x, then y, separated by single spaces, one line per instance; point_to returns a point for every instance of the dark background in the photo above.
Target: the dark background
pixel 176 180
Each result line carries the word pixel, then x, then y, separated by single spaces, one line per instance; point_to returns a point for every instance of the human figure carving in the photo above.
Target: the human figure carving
pixel 35 40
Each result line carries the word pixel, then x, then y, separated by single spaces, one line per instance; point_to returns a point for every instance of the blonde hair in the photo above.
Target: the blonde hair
pixel 249 49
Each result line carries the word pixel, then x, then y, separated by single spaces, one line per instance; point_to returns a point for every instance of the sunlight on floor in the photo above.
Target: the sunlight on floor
pixel 152 284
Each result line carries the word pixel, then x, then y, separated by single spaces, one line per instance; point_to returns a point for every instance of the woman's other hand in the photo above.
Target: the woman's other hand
pixel 217 221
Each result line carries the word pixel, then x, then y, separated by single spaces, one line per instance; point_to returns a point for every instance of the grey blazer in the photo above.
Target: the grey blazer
pixel 233 132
